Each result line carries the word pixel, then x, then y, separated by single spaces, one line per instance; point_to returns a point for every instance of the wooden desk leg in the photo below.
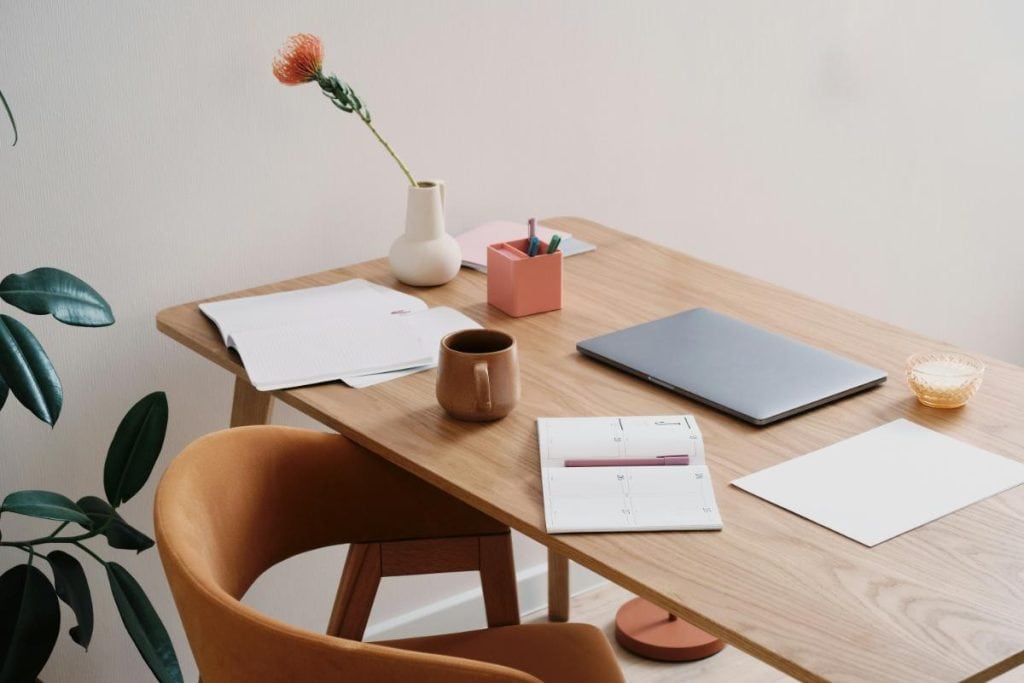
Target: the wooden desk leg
pixel 558 587
pixel 250 407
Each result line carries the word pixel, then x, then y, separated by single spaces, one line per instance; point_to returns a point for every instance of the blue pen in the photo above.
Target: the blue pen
pixel 533 247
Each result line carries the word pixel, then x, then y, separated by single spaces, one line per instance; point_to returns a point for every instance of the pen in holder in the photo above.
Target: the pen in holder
pixel 520 284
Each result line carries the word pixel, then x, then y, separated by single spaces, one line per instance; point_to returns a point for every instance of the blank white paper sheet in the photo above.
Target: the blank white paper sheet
pixel 884 482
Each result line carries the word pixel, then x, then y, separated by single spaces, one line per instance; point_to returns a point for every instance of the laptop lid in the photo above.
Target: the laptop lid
pixel 753 374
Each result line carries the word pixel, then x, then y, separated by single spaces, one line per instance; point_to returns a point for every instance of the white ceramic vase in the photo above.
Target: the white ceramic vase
pixel 425 255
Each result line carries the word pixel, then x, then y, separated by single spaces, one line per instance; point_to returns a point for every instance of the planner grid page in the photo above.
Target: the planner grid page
pixel 564 438
pixel 580 499
pixel 609 495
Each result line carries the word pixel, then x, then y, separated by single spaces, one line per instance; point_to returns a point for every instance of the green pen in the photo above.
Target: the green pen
pixel 553 244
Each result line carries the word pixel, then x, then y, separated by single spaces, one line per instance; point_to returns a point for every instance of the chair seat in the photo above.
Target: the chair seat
pixel 554 653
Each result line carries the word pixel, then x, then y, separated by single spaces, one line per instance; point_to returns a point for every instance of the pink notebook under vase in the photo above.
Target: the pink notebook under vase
pixel 474 242
pixel 521 285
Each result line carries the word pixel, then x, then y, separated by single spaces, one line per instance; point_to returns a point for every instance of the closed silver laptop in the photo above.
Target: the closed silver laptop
pixel 756 375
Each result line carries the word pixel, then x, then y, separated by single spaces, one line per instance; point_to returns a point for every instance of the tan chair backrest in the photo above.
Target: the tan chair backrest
pixel 236 502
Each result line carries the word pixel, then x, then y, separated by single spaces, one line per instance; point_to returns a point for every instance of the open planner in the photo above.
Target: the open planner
pixel 354 331
pixel 590 484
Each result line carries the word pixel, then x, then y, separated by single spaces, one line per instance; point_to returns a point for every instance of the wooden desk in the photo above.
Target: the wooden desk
pixel 943 602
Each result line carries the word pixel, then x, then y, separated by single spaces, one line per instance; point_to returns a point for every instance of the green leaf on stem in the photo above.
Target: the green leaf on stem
pixel 29 623
pixel 44 505
pixel 143 625
pixel 59 293
pixel 73 589
pixel 118 533
pixel 28 372
pixel 135 448
pixel 3 392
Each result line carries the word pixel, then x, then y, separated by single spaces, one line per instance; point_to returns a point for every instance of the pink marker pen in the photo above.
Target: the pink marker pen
pixel 628 462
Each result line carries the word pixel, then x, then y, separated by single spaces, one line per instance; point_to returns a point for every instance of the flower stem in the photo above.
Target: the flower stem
pixel 10 117
pixel 405 170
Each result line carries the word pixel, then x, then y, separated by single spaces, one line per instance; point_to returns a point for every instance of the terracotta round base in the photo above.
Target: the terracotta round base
pixel 647 630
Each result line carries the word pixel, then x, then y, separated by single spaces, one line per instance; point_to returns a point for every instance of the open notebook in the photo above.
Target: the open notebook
pixel 355 331
pixel 602 497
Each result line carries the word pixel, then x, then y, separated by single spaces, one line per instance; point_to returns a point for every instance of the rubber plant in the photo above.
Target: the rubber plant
pixel 30 611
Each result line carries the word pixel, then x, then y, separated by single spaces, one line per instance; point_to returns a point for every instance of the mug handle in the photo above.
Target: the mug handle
pixel 483 386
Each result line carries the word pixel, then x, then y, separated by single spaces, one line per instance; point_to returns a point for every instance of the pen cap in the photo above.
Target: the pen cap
pixel 519 284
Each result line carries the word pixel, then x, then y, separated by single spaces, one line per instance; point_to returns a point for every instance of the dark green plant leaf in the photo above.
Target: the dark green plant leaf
pixel 3 392
pixel 143 625
pixel 7 108
pixel 73 589
pixel 59 293
pixel 28 371
pixel 45 505
pixel 29 623
pixel 118 533
pixel 135 448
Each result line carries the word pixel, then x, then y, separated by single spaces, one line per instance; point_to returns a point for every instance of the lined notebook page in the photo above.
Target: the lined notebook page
pixel 355 331
pixel 433 325
pixel 348 300
pixel 297 355
pixel 581 499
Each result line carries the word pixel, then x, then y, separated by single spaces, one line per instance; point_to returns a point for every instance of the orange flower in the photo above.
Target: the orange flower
pixel 300 60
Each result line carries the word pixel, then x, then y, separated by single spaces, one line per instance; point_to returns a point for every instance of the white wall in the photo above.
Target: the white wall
pixel 868 154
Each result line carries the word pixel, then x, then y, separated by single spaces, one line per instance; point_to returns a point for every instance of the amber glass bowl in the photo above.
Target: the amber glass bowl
pixel 944 379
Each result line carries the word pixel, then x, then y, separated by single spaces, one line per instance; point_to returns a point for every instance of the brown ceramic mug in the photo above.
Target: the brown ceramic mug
pixel 478 375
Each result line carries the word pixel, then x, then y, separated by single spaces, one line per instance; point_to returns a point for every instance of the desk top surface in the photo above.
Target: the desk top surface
pixel 942 602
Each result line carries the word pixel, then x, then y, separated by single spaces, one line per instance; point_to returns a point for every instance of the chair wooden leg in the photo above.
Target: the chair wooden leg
pixel 368 562
pixel 498 580
pixel 356 591
pixel 558 587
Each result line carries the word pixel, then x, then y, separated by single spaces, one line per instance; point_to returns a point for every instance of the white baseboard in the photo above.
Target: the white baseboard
pixel 465 611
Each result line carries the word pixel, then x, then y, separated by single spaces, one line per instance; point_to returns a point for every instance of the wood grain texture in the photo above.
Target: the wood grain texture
pixel 558 586
pixel 498 580
pixel 430 556
pixel 356 591
pixel 249 406
pixel 367 563
pixel 943 602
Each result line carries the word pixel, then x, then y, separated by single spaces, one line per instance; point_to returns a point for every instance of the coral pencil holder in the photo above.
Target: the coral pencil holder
pixel 521 285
